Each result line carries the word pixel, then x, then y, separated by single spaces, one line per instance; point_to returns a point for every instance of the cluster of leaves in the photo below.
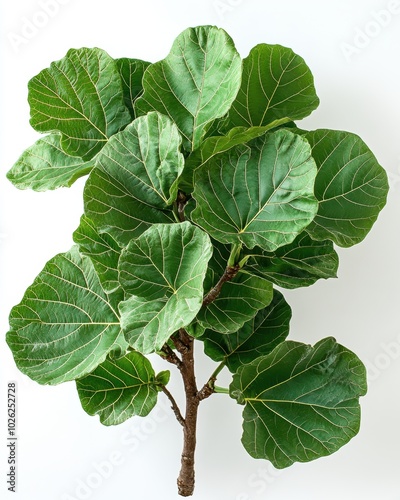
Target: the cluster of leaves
pixel 202 194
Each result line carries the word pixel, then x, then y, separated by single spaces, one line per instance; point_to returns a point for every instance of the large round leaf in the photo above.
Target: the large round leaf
pixel 195 84
pixel 301 263
pixel 81 97
pixel 136 178
pixel 301 402
pixel 261 194
pixel 131 71
pixel 162 273
pixel 351 187
pixel 276 83
pixel 119 388
pixel 65 325
pixel 257 337
pixel 45 166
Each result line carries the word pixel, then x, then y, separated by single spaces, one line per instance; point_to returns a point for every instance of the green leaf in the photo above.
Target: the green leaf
pixel 65 325
pixel 136 178
pixel 257 337
pixel 119 389
pixel 103 251
pixel 351 187
pixel 238 302
pixel 301 402
pixel 163 272
pixel 45 166
pixel 219 144
pixel 195 84
pixel 131 71
pixel 301 263
pixel 259 194
pixel 276 83
pixel 81 97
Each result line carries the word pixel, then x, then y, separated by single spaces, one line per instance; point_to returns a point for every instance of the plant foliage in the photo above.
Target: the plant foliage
pixel 202 194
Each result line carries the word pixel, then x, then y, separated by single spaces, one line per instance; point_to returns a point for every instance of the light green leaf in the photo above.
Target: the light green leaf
pixel 259 194
pixel 103 251
pixel 257 337
pixel 81 97
pixel 163 272
pixel 131 71
pixel 276 83
pixel 136 178
pixel 65 325
pixel 45 166
pixel 301 263
pixel 195 84
pixel 238 302
pixel 219 144
pixel 351 187
pixel 119 389
pixel 301 402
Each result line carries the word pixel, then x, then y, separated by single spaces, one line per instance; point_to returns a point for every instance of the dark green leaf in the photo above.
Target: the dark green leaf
pixel 65 325
pixel 238 302
pixel 260 194
pixel 257 337
pixel 301 401
pixel 119 389
pixel 351 187
pixel 163 272
pixel 276 83
pixel 45 166
pixel 103 251
pixel 81 97
pixel 301 263
pixel 136 178
pixel 131 71
pixel 195 84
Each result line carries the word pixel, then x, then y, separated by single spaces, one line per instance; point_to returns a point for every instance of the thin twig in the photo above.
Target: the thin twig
pixel 171 356
pixel 174 406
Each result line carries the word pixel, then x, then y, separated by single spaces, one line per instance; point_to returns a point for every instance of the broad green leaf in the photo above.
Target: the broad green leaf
pixel 81 97
pixel 65 325
pixel 301 402
pixel 301 263
pixel 259 194
pixel 195 84
pixel 163 272
pixel 238 302
pixel 136 178
pixel 219 144
pixel 119 389
pixel 45 166
pixel 131 71
pixel 103 251
pixel 351 187
pixel 276 83
pixel 257 337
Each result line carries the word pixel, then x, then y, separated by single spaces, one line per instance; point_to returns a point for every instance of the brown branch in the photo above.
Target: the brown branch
pixel 181 203
pixel 186 475
pixel 171 356
pixel 229 274
pixel 174 406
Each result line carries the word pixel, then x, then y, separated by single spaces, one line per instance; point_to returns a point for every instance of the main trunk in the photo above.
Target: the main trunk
pixel 186 475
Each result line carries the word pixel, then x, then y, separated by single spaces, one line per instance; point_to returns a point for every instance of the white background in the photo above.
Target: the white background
pixel 352 48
